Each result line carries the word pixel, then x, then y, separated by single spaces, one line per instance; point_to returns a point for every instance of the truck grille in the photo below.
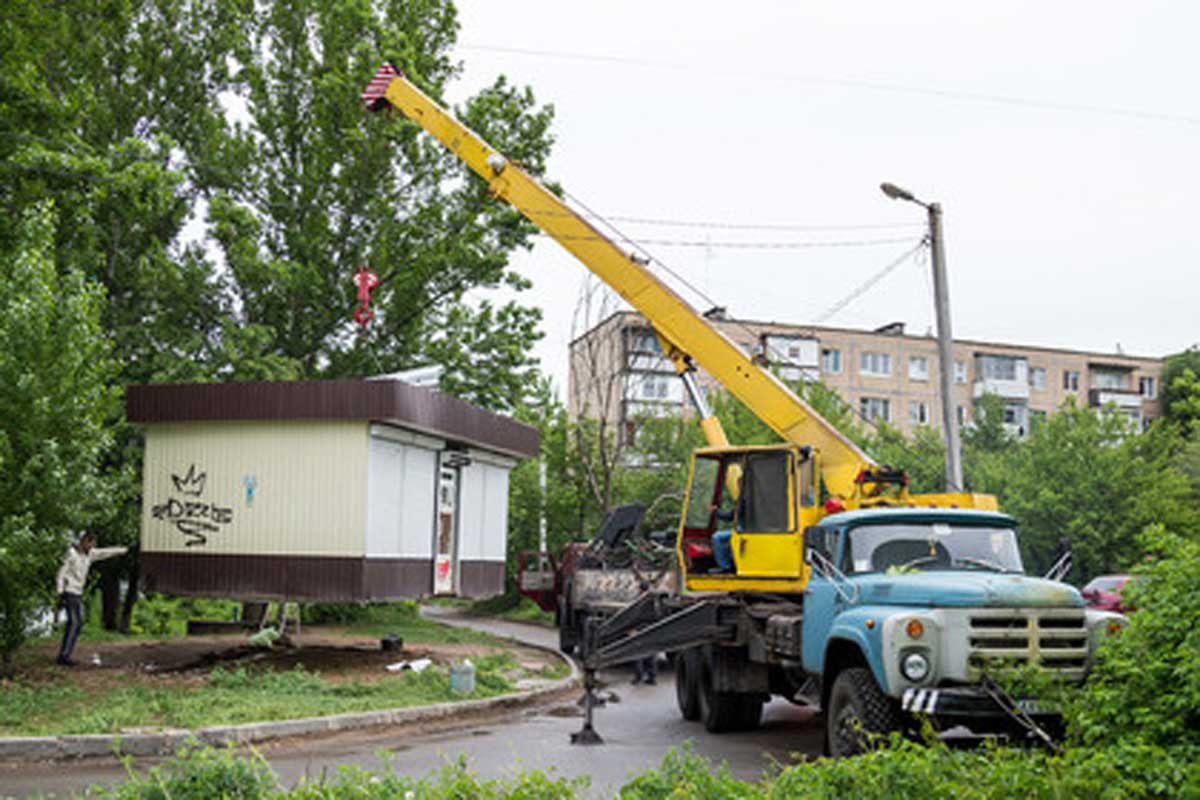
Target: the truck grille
pixel 1054 638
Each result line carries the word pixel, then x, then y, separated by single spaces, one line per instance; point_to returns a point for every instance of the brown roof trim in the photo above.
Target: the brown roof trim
pixel 380 400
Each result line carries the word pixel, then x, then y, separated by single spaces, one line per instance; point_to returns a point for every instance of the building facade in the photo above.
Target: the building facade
pixel 618 372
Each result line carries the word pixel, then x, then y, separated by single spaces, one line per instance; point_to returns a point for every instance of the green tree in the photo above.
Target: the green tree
pixel 55 396
pixel 141 117
pixel 1085 476
pixel 112 111
pixel 319 188
pixel 921 456
pixel 1179 396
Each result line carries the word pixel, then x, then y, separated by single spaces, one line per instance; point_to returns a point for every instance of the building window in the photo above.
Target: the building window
pixel 654 387
pixel 1037 377
pixel 998 368
pixel 644 342
pixel 1071 380
pixel 961 413
pixel 918 412
pixel 960 372
pixel 831 360
pixel 1036 419
pixel 875 409
pixel 875 364
pixel 1108 379
pixel 918 368
pixel 1146 387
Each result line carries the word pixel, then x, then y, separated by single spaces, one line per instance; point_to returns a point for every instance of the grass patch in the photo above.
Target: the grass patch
pixel 404 620
pixel 232 696
pixel 512 607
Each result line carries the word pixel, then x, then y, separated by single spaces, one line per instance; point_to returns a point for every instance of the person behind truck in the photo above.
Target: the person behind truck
pixel 72 577
pixel 645 670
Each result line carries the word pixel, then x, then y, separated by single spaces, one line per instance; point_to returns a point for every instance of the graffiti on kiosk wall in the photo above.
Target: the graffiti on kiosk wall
pixel 189 513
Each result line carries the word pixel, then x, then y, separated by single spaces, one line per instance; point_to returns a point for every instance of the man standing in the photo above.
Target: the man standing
pixel 72 576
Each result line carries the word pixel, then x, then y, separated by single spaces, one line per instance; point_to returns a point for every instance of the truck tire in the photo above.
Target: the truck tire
pixel 750 708
pixel 719 711
pixel 566 628
pixel 860 715
pixel 687 683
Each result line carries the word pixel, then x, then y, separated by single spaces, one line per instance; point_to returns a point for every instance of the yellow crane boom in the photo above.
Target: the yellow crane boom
pixel 687 334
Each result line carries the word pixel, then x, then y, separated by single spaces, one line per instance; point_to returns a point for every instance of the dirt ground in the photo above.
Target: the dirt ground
pixel 187 661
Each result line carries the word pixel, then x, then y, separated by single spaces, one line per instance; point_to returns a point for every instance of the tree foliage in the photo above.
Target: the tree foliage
pixel 1180 394
pixel 214 173
pixel 55 396
pixel 1085 476
pixel 1146 688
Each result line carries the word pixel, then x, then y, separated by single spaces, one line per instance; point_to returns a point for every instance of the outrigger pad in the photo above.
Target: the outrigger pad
pixel 586 736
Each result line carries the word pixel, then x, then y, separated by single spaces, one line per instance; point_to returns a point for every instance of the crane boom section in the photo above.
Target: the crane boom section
pixel 767 397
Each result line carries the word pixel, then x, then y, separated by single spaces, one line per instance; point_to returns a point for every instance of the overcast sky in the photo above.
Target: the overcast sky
pixel 1060 138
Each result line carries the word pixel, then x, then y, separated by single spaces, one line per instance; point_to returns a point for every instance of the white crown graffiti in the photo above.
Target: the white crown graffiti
pixel 191 483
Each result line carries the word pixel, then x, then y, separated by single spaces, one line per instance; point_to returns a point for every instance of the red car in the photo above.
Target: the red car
pixel 1104 593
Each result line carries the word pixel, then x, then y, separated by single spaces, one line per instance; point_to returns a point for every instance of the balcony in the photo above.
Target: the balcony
pixel 1009 390
pixel 1124 399
pixel 649 362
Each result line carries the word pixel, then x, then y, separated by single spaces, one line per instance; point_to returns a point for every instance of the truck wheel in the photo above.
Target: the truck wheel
pixel 566 630
pixel 687 690
pixel 719 711
pixel 750 708
pixel 860 715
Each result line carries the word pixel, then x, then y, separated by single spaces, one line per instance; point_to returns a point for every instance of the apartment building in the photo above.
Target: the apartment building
pixel 618 372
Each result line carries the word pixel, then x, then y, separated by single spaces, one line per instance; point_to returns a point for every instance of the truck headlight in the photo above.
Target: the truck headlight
pixel 914 666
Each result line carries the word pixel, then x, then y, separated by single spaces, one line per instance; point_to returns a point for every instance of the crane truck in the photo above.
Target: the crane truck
pixel 807 571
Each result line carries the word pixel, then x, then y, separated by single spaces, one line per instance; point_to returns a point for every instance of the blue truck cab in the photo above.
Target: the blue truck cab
pixel 908 611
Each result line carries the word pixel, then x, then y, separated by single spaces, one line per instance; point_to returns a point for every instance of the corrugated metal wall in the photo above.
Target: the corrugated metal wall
pixel 288 488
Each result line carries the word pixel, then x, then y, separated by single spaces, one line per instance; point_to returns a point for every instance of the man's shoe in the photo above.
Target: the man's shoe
pixel 636 680
pixel 63 661
pixel 651 681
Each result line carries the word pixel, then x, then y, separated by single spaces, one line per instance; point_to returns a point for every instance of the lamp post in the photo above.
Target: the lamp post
pixel 941 300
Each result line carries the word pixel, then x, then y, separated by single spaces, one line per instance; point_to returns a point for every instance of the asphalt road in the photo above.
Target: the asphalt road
pixel 637 732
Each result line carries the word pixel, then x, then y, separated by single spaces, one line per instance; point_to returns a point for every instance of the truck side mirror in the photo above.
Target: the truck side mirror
pixel 816 539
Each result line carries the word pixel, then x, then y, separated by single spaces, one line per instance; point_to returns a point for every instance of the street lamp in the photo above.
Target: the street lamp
pixel 941 300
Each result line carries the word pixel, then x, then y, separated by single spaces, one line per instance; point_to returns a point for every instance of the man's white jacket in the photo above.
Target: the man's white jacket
pixel 72 575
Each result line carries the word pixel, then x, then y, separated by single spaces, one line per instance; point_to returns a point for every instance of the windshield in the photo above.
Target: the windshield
pixel 933 545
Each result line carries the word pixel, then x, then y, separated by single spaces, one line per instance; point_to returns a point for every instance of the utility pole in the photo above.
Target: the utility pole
pixel 542 511
pixel 941 301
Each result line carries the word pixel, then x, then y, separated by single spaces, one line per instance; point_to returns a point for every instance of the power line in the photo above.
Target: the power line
pixel 733 245
pixel 853 83
pixel 869 282
pixel 719 225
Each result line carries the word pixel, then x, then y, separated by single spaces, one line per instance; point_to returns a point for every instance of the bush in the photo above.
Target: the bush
pixel 161 616
pixel 199 774
pixel 358 613
pixel 1145 690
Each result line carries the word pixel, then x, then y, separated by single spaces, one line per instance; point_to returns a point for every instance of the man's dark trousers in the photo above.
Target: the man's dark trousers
pixel 73 604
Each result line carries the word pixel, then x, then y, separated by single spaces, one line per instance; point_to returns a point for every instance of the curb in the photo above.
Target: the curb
pixel 50 748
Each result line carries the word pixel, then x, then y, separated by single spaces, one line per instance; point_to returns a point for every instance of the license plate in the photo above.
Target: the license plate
pixel 1033 707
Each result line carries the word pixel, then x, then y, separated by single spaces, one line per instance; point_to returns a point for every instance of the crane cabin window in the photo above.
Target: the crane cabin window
pixel 761 483
pixel 764 507
pixel 702 494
